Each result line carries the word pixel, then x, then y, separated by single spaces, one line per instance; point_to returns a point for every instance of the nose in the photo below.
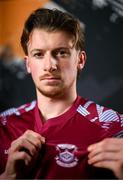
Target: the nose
pixel 50 63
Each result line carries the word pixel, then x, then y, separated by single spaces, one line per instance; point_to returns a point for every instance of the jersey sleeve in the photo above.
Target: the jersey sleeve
pixel 106 118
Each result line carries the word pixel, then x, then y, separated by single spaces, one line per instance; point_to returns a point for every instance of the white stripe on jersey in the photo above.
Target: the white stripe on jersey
pixel 32 105
pixel 105 126
pixel 16 111
pixel 99 109
pixel 82 110
pixel 107 115
pixel 121 116
pixel 88 103
pixel 9 112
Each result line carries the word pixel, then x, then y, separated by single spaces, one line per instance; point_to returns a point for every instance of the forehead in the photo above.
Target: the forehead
pixel 43 39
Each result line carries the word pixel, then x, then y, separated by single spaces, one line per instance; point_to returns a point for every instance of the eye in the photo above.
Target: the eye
pixel 38 55
pixel 62 53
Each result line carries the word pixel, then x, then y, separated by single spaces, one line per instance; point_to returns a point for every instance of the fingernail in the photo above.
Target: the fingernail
pixel 43 139
pixel 89 148
pixel 89 162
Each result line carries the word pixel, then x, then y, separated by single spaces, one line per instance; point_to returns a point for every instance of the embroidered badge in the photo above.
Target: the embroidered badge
pixel 66 156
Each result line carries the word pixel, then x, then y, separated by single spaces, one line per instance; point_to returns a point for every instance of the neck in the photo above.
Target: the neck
pixel 53 107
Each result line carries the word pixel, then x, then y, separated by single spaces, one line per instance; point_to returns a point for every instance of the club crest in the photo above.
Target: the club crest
pixel 66 155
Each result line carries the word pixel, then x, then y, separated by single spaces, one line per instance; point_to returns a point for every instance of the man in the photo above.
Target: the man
pixel 61 135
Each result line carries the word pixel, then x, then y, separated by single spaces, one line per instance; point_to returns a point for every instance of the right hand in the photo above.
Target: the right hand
pixel 23 150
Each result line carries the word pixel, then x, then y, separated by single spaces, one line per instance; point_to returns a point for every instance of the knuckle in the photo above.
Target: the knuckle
pixel 102 155
pixel 13 142
pixel 37 144
pixel 33 150
pixel 37 136
pixel 27 132
pixel 10 150
pixel 22 140
pixel 117 166
pixel 120 164
pixel 105 142
pixel 101 163
pixel 12 146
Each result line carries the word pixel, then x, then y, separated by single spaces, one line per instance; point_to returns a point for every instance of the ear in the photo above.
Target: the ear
pixel 82 60
pixel 26 58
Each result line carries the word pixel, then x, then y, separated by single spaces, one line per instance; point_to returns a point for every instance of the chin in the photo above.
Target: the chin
pixel 51 93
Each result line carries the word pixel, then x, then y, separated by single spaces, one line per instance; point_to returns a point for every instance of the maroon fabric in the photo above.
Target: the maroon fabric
pixel 64 156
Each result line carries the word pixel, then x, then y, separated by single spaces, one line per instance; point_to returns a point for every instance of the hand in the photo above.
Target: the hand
pixel 22 153
pixel 108 154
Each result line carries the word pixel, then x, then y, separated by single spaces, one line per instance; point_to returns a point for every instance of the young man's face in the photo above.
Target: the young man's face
pixel 53 62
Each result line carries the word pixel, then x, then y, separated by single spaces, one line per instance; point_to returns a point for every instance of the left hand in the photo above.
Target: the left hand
pixel 108 153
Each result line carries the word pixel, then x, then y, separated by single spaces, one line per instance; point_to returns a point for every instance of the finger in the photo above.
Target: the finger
pixel 34 138
pixel 23 144
pixel 115 166
pixel 105 156
pixel 18 156
pixel 102 152
pixel 106 164
pixel 108 144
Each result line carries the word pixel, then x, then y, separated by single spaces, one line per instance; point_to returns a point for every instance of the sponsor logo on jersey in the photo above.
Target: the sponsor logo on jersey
pixel 66 155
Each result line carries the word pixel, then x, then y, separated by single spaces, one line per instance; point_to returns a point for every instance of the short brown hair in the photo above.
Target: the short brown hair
pixel 53 20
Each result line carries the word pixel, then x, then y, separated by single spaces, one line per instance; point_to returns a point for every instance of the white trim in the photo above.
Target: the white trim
pixel 82 111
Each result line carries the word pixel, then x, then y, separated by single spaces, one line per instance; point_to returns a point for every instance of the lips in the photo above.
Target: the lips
pixel 51 81
pixel 50 78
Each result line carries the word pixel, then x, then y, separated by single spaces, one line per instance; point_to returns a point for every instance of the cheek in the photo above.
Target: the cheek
pixel 69 69
pixel 35 71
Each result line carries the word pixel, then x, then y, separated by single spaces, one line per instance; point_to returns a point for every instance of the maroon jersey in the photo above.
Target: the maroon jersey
pixel 64 156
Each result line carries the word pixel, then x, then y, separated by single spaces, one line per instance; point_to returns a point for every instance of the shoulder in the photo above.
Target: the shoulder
pixel 17 112
pixel 100 115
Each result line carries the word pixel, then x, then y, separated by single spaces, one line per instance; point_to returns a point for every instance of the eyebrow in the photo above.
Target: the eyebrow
pixel 56 49
pixel 59 48
pixel 35 50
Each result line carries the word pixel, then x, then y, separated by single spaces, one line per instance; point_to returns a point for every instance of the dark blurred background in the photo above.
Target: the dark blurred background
pixel 102 78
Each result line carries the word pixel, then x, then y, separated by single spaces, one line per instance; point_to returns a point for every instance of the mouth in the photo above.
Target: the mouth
pixel 51 80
